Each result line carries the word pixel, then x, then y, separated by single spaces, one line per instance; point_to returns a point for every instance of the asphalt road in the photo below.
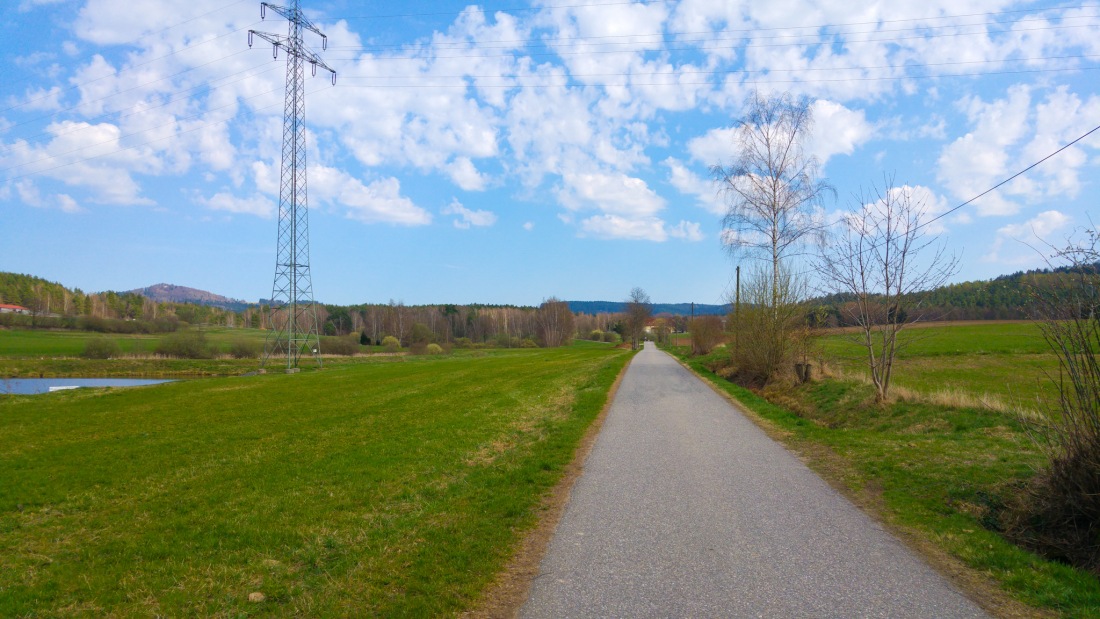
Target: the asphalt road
pixel 686 509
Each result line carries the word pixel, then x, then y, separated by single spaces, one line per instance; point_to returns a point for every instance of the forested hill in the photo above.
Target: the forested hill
pixel 676 309
pixel 170 293
pixel 1007 297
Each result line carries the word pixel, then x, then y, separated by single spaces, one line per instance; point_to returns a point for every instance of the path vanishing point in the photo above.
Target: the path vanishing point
pixel 687 509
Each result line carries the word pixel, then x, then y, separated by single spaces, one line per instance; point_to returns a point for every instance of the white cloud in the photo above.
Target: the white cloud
pixel 611 193
pixel 1022 243
pixel 837 130
pixel 467 217
pixel 715 147
pixel 465 175
pixel 379 202
pixel 85 156
pixel 976 161
pixel 689 231
pixel 529 226
pixel 688 183
pixel 1010 134
pixel 618 227
pixel 253 205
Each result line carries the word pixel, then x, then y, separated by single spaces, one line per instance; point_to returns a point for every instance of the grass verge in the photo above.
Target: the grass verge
pixel 939 475
pixel 366 489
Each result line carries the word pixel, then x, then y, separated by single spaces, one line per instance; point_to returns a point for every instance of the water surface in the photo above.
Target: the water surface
pixel 26 386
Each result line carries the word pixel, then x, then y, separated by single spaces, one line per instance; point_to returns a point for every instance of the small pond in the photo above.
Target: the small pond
pixel 25 386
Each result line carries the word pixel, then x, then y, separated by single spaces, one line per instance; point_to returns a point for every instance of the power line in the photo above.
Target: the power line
pixel 1009 179
pixel 707 48
pixel 715 36
pixel 525 82
pixel 739 71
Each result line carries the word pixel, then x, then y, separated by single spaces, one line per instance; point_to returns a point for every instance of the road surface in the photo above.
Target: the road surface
pixel 686 509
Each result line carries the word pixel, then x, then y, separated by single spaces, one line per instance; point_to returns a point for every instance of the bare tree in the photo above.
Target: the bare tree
pixel 638 310
pixel 881 259
pixel 772 186
pixel 555 323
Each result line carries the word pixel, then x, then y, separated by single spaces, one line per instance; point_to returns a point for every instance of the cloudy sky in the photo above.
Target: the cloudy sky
pixel 508 152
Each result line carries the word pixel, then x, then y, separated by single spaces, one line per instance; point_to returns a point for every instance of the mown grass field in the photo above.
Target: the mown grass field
pixel 1009 361
pixel 942 474
pixel 370 488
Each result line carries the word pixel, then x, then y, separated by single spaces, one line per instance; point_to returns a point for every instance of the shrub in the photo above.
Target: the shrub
pixel 596 335
pixel 435 349
pixel 1060 514
pixel 391 343
pixel 346 346
pixel 101 348
pixel 244 349
pixel 528 343
pixel 185 345
pixel 612 338
pixel 706 334
pixel 463 342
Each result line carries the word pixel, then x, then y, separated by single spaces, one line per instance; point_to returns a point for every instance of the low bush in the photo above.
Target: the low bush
pixel 391 343
pixel 244 349
pixel 185 345
pixel 464 342
pixel 101 348
pixel 435 349
pixel 346 346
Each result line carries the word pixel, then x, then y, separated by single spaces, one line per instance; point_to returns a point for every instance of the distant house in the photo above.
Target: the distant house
pixel 6 308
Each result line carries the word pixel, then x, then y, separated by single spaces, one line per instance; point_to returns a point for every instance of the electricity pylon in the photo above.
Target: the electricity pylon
pixel 294 318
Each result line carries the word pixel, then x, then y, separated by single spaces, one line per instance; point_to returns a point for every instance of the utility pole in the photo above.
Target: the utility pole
pixel 737 313
pixel 294 316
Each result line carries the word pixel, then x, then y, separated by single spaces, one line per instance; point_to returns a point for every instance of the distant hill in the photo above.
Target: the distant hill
pixel 676 309
pixel 170 293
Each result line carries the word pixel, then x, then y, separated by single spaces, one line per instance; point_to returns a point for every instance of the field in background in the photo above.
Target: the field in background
pixel 57 343
pixel 376 487
pixel 1005 362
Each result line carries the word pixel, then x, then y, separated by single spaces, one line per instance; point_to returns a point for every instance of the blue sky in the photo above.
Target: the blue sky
pixel 509 152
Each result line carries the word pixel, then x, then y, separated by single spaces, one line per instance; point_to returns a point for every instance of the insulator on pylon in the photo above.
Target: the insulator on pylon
pixel 324 42
pixel 250 39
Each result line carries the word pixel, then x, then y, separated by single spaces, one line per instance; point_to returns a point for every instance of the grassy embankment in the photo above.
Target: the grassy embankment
pixel 367 489
pixel 941 474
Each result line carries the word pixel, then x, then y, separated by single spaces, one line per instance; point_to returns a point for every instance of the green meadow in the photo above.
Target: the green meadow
pixel 375 487
pixel 15 343
pixel 1007 362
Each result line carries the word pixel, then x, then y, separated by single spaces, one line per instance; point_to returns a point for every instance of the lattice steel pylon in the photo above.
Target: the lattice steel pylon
pixel 294 317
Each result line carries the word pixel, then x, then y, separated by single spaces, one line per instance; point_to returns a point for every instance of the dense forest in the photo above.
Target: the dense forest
pixel 1008 297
